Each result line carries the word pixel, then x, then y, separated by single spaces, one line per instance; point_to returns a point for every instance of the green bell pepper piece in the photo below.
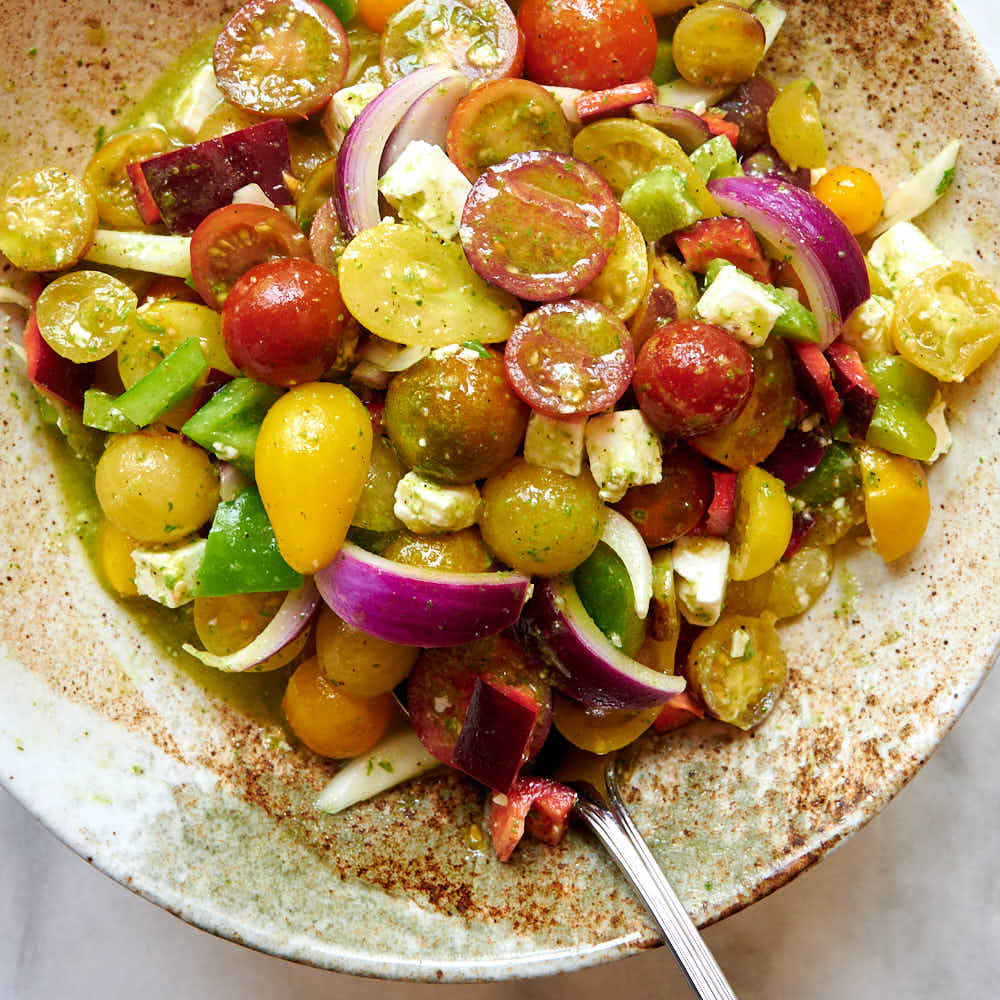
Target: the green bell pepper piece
pixel 716 158
pixel 228 424
pixel 241 553
pixel 664 68
pixel 905 394
pixel 605 590
pixel 165 386
pixel 100 410
pixel 659 203
pixel 835 476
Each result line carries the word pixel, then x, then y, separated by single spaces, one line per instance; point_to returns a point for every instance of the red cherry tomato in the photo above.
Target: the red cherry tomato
pixel 231 240
pixel 540 225
pixel 570 358
pixel 691 378
pixel 590 44
pixel 283 322
pixel 673 506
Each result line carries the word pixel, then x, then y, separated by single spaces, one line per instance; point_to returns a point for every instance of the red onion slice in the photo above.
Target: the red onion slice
pixel 690 130
pixel 355 190
pixel 419 607
pixel 587 667
pixel 824 254
pixel 293 616
pixel 427 118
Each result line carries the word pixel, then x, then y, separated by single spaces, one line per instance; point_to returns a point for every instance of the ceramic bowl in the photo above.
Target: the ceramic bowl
pixel 183 787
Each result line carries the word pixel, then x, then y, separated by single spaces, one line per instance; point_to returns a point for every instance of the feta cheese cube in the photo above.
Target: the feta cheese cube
pixel 423 185
pixel 252 194
pixel 349 102
pixel 555 444
pixel 168 575
pixel 197 101
pixel 899 255
pixel 623 450
pixel 740 306
pixel 702 568
pixel 429 508
pixel 936 418
pixel 868 329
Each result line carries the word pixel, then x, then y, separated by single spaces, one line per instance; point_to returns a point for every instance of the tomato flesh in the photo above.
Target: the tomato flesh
pixel 478 37
pixel 282 58
pixel 283 322
pixel 540 225
pixel 232 240
pixel 590 44
pixel 502 118
pixel 691 378
pixel 728 239
pixel 570 358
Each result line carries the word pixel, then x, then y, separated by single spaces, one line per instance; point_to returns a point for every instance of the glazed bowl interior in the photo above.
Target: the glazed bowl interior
pixel 183 786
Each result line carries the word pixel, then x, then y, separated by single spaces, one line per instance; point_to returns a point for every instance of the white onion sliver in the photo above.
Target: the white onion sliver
pixel 621 535
pixel 293 616
pixel 398 758
pixel 232 482
pixel 391 357
pixel 11 296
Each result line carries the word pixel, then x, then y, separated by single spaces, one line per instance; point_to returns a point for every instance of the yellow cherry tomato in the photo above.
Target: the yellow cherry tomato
pixel 114 549
pixel 600 732
pixel 330 722
pixel 897 502
pixel 947 321
pixel 312 458
pixel 763 524
pixel 853 195
pixel 227 624
pixel 795 127
pixel 375 14
pixel 357 663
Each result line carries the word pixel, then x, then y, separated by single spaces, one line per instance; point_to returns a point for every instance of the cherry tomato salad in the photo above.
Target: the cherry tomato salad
pixel 518 370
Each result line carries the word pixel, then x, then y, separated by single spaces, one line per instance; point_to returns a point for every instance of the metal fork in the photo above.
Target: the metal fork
pixel 610 820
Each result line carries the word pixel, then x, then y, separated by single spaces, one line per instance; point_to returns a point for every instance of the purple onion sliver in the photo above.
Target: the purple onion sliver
pixel 690 130
pixel 797 455
pixel 419 607
pixel 427 118
pixel 355 189
pixel 586 666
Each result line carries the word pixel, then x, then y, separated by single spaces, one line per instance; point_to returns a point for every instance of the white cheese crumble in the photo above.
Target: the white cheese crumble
pixel 466 354
pixel 555 444
pixel 936 418
pixel 738 644
pixel 702 566
pixel 900 254
pixel 168 575
pixel 428 508
pixel 623 450
pixel 196 102
pixel 869 328
pixel 349 102
pixel 740 306
pixel 423 185
pixel 252 194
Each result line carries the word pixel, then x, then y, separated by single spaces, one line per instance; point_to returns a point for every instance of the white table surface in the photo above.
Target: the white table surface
pixel 908 908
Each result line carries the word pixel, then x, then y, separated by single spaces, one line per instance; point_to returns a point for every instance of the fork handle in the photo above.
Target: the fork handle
pixel 615 829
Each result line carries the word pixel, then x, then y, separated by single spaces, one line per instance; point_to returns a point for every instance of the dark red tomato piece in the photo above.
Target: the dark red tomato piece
pixel 658 307
pixel 672 507
pixel 747 107
pixel 232 240
pixel 728 239
pixel 679 711
pixel 541 804
pixel 478 37
pixel 501 118
pixel 176 289
pixel 722 126
pixel 590 44
pixel 540 225
pixel 283 322
pixel 570 358
pixel 721 513
pixel 326 237
pixel 692 378
pixel 281 58
pixel 598 103
pixel 442 681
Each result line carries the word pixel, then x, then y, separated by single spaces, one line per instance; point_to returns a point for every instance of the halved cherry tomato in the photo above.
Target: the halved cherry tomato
pixel 283 322
pixel 501 118
pixel 233 239
pixel 763 524
pixel 478 37
pixel 673 506
pixel 691 378
pixel 623 279
pixel 718 44
pixel 166 287
pixel 593 45
pixel 282 58
pixel 375 14
pixel 729 239
pixel 569 358
pixel 540 225
pixel 106 172
pixel 897 502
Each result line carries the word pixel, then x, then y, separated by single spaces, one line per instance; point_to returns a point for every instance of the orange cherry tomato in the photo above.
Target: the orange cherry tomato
pixel 853 195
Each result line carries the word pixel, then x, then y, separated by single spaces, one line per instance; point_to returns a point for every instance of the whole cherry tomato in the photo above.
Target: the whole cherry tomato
pixel 283 321
pixel 692 377
pixel 591 44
